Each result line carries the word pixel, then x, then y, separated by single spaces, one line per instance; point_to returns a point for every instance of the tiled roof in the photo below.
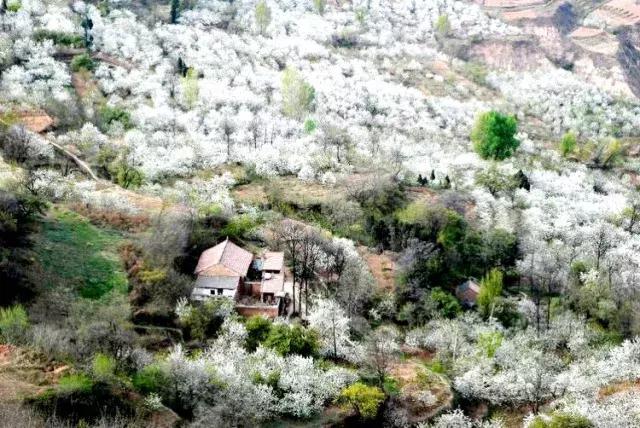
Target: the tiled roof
pixel 273 261
pixel 272 283
pixel 468 291
pixel 228 282
pixel 226 259
pixel 469 285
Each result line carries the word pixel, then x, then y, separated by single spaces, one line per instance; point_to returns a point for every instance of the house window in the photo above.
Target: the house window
pixel 219 291
pixel 213 292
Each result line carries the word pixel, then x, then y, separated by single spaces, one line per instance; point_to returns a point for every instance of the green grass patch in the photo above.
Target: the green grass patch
pixel 74 253
pixel 75 382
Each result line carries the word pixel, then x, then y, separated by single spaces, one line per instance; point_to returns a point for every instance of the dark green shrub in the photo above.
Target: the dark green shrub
pixel 108 115
pixel 568 144
pixel 258 329
pixel 562 420
pixel 14 6
pixel 150 379
pixel 445 304
pixel 64 39
pixel 80 401
pixel 75 383
pixel 310 125
pixel 287 340
pixel 82 62
pixel 239 226
pixel 453 231
pixel 128 176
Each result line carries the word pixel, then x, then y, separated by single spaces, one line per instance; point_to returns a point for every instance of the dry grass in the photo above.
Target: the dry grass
pixel 250 194
pixel 618 387
pixel 288 189
pixel 23 373
pixel 35 121
pixel 112 218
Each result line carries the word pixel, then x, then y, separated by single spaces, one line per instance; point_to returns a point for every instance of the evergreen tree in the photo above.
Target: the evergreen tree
pixel 175 11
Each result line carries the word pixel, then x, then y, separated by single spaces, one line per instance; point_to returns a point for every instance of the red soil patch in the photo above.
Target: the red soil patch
pixel 35 120
pixel 382 267
pixel 586 32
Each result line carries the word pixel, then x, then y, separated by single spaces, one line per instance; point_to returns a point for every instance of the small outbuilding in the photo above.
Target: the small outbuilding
pixel 467 292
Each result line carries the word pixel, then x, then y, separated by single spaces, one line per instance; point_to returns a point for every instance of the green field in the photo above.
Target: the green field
pixel 73 253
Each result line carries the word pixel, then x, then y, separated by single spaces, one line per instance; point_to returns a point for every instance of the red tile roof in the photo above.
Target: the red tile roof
pixel 272 283
pixel 225 259
pixel 273 261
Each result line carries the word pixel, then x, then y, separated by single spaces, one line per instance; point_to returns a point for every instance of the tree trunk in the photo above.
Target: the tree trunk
pixel 300 297
pixel 306 298
pixel 335 344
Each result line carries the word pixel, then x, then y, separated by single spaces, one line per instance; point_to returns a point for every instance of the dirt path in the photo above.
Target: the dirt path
pixel 382 267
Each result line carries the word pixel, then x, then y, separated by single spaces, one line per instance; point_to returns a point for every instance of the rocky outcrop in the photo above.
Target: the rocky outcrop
pixel 565 18
pixel 629 58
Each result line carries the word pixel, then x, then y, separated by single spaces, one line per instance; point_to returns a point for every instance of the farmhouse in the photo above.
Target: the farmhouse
pixel 230 271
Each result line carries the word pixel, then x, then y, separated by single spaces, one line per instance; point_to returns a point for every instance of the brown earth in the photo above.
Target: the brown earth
pixel 382 267
pixel 22 373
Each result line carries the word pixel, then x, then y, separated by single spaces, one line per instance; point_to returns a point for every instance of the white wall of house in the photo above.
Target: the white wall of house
pixel 206 293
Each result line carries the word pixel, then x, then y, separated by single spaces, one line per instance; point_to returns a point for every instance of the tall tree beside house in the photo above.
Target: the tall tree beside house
pixel 175 11
pixel 311 244
pixel 288 234
pixel 332 324
pixel 304 247
pixel 490 290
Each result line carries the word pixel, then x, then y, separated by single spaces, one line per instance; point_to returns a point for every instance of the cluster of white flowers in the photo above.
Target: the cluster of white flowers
pixel 207 194
pixel 38 77
pixel 566 103
pixel 92 196
pixel 526 368
pixel 303 387
pixel 237 112
pixel 330 321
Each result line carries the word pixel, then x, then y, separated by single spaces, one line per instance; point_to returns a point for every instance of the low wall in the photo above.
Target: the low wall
pixel 265 311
